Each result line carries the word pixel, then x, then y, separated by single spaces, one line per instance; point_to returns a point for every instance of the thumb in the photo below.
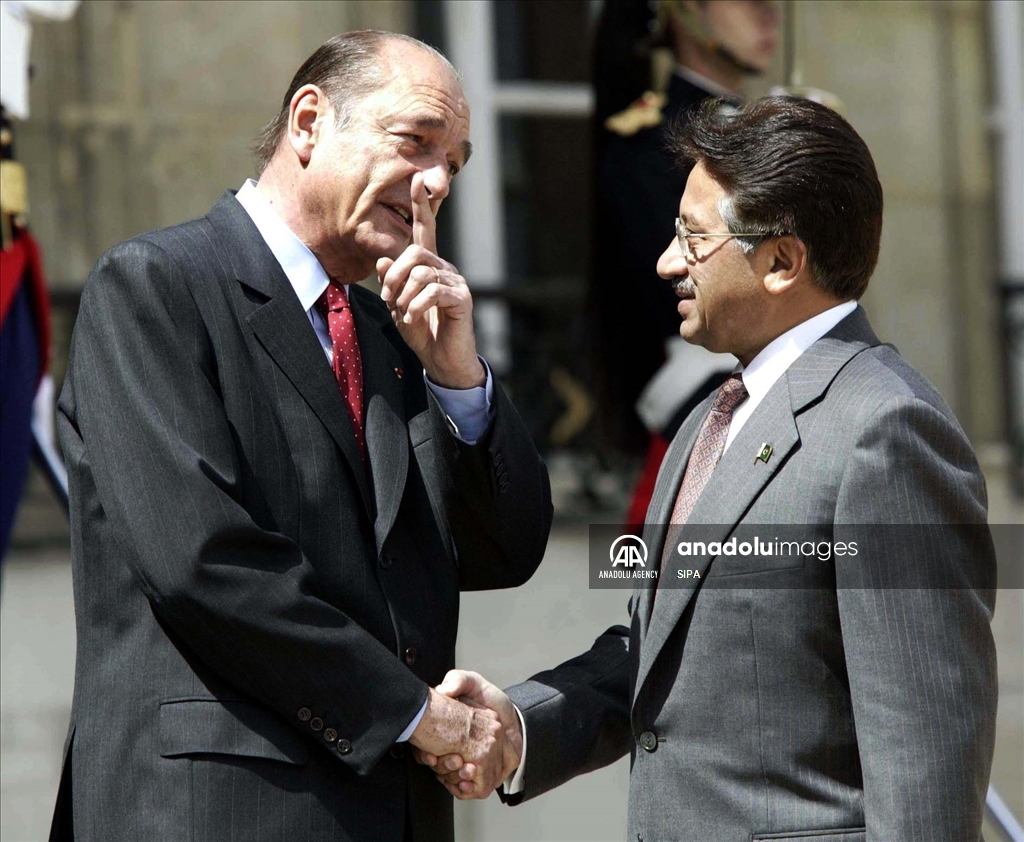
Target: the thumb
pixel 458 683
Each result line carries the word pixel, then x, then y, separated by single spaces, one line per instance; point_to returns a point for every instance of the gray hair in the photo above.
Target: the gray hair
pixel 727 210
pixel 347 68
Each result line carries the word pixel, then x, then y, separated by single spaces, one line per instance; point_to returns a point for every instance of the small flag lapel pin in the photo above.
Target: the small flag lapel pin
pixel 764 454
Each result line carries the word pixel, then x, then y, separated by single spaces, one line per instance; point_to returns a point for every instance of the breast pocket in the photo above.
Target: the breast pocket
pixel 242 729
pixel 785 555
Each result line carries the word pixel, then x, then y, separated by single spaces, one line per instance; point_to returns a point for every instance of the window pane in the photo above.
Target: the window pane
pixel 546 184
pixel 542 40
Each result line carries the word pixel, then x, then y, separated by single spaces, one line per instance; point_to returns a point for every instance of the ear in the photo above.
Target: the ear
pixel 786 260
pixel 306 115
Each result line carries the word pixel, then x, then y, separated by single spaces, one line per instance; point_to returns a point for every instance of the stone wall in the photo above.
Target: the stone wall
pixel 143 112
pixel 914 79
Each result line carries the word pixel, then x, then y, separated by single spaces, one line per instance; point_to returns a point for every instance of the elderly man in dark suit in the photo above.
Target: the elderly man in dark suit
pixel 280 484
pixel 834 697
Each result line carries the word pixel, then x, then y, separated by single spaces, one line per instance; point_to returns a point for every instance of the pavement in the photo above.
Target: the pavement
pixel 553 617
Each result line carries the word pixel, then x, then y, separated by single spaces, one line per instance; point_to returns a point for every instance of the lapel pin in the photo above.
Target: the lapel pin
pixel 764 454
pixel 398 373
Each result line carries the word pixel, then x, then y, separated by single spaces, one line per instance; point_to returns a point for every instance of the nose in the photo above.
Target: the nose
pixel 672 264
pixel 437 179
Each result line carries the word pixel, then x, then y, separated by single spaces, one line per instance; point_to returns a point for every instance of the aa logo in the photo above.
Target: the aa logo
pixel 628 551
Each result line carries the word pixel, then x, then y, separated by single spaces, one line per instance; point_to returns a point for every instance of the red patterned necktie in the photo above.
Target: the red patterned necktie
pixel 708 448
pixel 345 359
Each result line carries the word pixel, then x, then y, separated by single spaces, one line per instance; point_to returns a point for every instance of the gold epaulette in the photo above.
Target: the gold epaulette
pixel 13 188
pixel 644 113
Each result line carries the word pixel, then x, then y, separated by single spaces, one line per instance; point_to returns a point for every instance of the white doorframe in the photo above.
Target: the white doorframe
pixel 479 206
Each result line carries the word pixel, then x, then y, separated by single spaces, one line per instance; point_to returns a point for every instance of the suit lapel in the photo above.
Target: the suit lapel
pixel 733 486
pixel 283 329
pixel 387 436
pixel 740 478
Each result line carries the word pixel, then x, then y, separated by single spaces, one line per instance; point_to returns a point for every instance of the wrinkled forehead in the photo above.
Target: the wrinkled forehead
pixel 422 86
pixel 416 73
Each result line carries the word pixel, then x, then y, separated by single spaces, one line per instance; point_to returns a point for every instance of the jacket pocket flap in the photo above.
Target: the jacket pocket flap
pixel 839 834
pixel 212 726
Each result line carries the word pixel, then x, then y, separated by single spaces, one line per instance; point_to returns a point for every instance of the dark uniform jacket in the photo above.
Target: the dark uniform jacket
pixel 639 186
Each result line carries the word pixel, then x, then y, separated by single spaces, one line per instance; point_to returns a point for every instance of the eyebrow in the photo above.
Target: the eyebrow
pixel 690 220
pixel 440 124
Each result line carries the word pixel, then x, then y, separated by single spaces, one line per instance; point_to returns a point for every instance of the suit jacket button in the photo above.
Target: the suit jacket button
pixel 330 735
pixel 386 561
pixel 304 714
pixel 316 723
pixel 648 741
pixel 410 655
pixel 344 747
pixel 397 751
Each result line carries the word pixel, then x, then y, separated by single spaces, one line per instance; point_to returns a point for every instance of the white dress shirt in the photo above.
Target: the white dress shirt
pixel 777 356
pixel 469 411
pixel 767 367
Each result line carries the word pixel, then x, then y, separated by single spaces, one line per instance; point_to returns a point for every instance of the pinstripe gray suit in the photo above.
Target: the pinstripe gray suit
pixel 259 616
pixel 754 709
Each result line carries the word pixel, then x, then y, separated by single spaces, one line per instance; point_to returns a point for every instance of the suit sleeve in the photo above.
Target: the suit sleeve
pixel 915 608
pixel 161 448
pixel 498 500
pixel 577 715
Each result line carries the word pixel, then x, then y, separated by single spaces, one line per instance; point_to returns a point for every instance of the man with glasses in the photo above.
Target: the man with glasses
pixel 831 695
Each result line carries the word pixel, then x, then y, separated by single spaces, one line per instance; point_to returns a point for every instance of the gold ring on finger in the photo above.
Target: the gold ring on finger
pixel 436 274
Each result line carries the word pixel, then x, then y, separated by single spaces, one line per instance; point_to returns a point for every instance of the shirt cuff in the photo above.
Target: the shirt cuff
pixel 469 411
pixel 514 782
pixel 404 736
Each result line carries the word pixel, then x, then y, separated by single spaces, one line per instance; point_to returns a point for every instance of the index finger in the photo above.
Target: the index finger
pixel 424 226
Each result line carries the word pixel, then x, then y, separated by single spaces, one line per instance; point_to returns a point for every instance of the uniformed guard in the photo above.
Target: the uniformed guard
pixel 24 330
pixel 24 303
pixel 660 60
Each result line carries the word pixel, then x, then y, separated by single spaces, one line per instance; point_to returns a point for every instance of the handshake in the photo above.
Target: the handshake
pixel 470 735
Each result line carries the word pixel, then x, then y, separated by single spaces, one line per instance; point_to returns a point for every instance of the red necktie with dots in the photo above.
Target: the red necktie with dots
pixel 345 358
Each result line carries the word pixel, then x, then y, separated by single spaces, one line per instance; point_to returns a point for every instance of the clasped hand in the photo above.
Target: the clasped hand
pixel 471 735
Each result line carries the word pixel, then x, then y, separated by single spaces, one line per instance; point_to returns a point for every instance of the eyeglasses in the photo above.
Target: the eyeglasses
pixel 688 248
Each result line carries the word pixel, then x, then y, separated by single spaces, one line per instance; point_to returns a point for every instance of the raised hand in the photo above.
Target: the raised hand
pixel 430 302
pixel 457 772
pixel 473 733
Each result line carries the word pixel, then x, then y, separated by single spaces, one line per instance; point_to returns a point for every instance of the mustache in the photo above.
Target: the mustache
pixel 684 284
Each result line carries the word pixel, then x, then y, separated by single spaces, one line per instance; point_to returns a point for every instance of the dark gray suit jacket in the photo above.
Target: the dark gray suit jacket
pixel 259 615
pixel 859 706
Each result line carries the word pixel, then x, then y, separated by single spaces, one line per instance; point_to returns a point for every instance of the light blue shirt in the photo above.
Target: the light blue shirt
pixel 469 411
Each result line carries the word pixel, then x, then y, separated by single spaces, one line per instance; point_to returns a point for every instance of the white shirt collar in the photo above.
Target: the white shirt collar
pixel 779 354
pixel 703 82
pixel 303 270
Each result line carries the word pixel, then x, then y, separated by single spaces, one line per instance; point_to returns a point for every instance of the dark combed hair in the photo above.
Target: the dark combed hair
pixel 346 68
pixel 792 166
